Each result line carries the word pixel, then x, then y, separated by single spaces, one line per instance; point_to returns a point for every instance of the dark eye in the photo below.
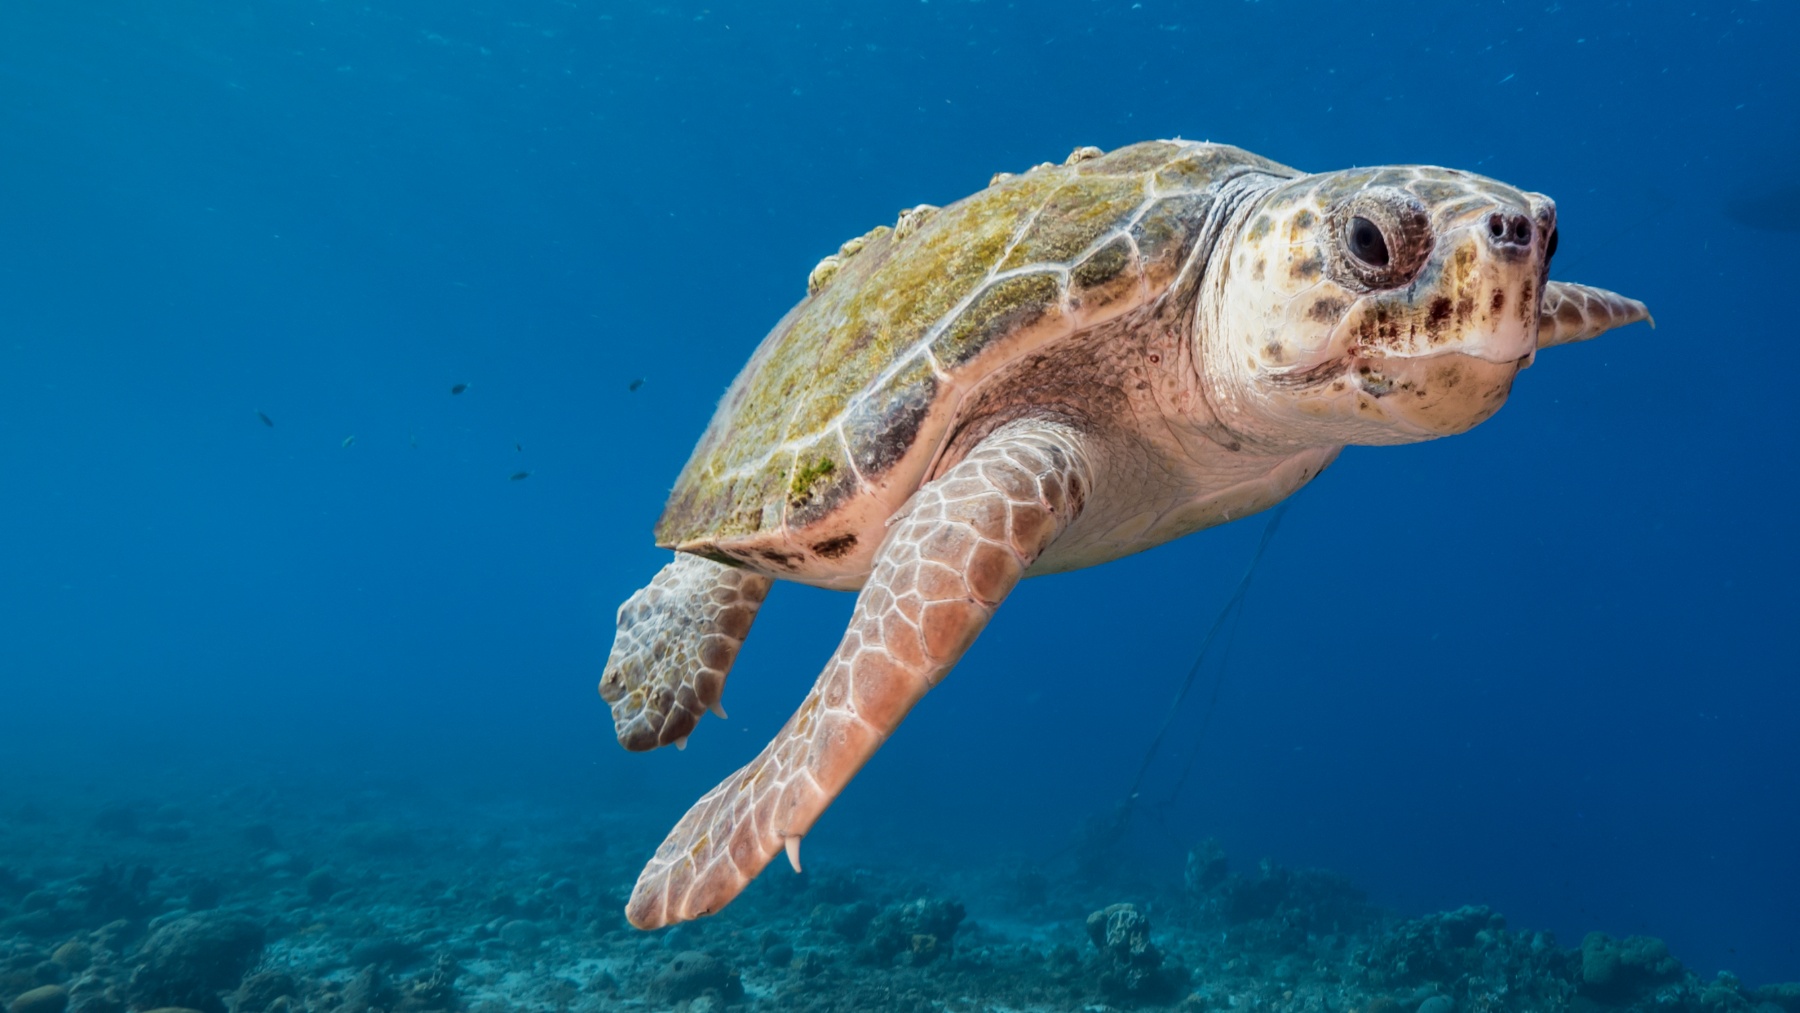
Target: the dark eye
pixel 1366 242
pixel 1550 247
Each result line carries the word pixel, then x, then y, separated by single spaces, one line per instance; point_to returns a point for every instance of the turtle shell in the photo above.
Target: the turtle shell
pixel 838 415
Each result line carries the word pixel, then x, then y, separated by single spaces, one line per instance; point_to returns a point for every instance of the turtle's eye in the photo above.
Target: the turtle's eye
pixel 1550 246
pixel 1366 242
pixel 1383 238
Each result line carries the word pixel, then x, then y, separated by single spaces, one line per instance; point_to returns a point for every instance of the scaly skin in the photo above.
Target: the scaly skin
pixel 676 642
pixel 1578 312
pixel 946 564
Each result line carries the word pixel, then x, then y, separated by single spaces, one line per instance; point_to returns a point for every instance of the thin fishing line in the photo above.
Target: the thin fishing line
pixel 1187 684
pixel 1212 706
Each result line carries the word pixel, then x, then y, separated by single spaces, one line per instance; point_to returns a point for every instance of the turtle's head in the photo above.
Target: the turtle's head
pixel 1381 306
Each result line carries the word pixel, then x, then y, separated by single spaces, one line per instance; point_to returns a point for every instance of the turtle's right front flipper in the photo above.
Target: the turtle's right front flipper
pixel 951 556
pixel 676 642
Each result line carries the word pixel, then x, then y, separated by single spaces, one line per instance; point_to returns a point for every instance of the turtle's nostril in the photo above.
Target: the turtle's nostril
pixel 1509 230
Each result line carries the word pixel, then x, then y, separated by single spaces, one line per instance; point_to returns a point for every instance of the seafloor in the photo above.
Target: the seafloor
pixel 287 900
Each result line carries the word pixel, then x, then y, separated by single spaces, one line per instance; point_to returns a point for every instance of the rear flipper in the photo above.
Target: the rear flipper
pixel 676 642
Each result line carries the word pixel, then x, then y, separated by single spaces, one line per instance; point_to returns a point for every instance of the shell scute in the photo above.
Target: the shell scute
pixel 1077 215
pixel 1108 275
pixel 882 426
pixel 733 503
pixel 1004 308
pixel 1202 166
pixel 1165 232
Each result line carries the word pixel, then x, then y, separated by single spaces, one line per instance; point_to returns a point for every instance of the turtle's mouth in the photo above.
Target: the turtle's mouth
pixel 1434 395
pixel 1403 399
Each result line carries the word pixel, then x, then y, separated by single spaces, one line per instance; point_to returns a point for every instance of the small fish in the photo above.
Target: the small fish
pixel 267 421
pixel 459 388
pixel 635 384
pixel 520 476
pixel 518 448
pixel 349 440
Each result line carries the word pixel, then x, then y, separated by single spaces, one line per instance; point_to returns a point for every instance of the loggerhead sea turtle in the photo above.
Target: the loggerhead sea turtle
pixel 1077 363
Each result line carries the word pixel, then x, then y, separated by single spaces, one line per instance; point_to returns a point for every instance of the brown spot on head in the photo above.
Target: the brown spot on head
pixel 1326 310
pixel 1301 224
pixel 1437 315
pixel 1307 268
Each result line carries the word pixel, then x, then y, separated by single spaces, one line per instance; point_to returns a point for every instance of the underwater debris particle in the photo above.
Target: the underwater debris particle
pixel 348 440
pixel 520 476
pixel 635 384
pixel 267 421
pixel 459 388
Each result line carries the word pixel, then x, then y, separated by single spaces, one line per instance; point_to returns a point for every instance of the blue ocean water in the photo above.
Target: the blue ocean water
pixel 1547 666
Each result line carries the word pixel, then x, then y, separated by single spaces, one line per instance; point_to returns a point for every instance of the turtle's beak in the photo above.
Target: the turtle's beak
pixel 1578 312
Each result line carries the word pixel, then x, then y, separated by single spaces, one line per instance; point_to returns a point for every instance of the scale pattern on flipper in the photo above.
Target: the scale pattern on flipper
pixel 949 561
pixel 1574 312
pixel 677 639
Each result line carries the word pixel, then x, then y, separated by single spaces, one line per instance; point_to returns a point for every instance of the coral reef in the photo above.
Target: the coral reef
pixel 690 975
pixel 189 960
pixel 1131 968
pixel 914 933
pixel 313 906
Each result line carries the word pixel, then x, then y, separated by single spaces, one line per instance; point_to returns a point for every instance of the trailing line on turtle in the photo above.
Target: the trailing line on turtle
pixel 1077 363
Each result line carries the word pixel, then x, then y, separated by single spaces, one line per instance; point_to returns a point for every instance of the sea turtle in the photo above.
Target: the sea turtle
pixel 1077 363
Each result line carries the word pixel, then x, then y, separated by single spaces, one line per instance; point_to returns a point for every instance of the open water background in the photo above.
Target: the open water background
pixel 1547 666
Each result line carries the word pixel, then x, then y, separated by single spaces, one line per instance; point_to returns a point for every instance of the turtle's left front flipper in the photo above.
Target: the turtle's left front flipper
pixel 1574 312
pixel 948 559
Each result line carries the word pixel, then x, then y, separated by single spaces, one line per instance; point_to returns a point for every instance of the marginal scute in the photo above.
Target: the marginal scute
pixel 1086 152
pixel 881 427
pixel 728 506
pixel 1000 177
pixel 820 481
